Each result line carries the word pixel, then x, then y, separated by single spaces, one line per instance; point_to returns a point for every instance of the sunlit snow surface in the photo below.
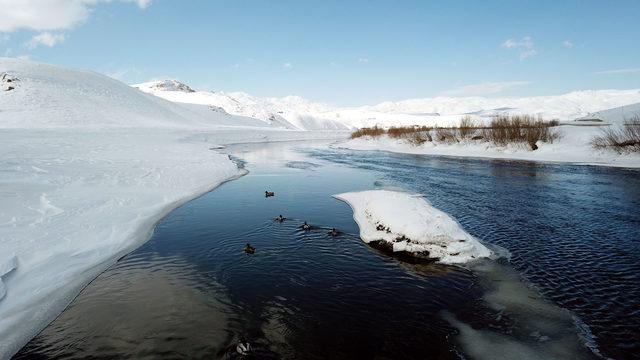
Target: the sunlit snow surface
pixel 301 113
pixel 88 165
pixel 411 224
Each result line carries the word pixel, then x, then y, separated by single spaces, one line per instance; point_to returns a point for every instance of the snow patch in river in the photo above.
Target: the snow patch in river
pixel 410 224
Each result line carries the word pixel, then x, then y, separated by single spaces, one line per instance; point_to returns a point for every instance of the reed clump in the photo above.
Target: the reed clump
pixel 501 131
pixel 620 139
pixel 513 129
pixel 368 131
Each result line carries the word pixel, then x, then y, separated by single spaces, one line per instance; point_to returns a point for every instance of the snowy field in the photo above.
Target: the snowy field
pixel 88 165
pixel 408 223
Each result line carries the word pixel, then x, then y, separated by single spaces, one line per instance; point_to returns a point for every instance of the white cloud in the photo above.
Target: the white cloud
pixel 363 60
pixel 42 15
pixel 143 4
pixel 568 44
pixel 287 65
pixel 619 71
pixel 485 88
pixel 123 73
pixel 525 46
pixel 46 38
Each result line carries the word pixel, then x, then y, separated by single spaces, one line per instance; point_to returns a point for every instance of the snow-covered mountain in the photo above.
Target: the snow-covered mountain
pixel 299 113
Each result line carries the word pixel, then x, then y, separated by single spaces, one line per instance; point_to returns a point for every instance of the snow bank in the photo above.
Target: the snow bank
pixel 573 147
pixel 6 266
pixel 88 165
pixel 409 223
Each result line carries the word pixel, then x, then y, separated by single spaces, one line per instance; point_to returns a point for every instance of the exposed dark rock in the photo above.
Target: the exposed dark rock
pixel 410 257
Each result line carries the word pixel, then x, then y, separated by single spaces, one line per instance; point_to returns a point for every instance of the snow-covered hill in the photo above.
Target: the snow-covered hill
pixel 296 112
pixel 87 166
pixel 283 112
pixel 46 96
pixel 618 115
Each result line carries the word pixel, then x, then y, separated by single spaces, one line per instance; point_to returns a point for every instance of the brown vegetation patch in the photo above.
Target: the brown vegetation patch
pixel 620 139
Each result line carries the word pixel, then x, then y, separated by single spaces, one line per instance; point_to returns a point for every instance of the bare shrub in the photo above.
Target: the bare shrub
pixel 506 129
pixel 467 127
pixel 620 139
pixel 367 131
pixel 416 135
pixel 405 131
pixel 420 137
pixel 447 135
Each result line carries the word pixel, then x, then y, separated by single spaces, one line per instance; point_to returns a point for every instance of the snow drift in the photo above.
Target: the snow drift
pixel 409 223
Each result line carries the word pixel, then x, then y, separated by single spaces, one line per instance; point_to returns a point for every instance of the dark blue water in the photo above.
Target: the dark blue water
pixel 190 292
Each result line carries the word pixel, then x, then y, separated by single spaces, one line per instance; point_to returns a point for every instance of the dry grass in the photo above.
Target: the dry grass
pixel 503 130
pixel 508 129
pixel 446 135
pixel 367 131
pixel 624 139
pixel 405 131
pixel 416 135
pixel 467 128
pixel 420 137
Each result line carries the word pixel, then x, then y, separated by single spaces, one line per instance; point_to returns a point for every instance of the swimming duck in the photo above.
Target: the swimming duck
pixel 334 232
pixel 249 249
pixel 269 193
pixel 306 227
pixel 281 218
pixel 243 347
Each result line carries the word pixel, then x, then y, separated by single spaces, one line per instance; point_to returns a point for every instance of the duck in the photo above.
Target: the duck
pixel 306 227
pixel 269 193
pixel 249 249
pixel 280 218
pixel 243 347
pixel 334 232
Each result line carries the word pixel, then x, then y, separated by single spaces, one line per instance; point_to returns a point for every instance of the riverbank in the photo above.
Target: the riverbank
pixel 573 147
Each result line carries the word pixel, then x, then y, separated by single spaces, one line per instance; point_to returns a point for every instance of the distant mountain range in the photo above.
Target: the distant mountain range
pixel 295 112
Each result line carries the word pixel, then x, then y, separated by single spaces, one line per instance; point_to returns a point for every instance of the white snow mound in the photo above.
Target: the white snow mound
pixel 411 224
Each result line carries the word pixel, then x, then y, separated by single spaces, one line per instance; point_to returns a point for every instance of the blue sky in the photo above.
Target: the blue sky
pixel 340 52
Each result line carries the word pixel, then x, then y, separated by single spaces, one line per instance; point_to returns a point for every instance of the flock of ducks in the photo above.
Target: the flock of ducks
pixel 306 227
pixel 243 347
